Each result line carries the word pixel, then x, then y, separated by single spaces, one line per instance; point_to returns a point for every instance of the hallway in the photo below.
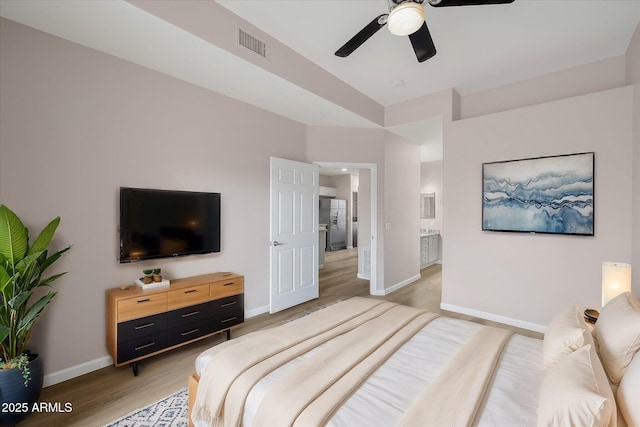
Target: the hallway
pixel 338 281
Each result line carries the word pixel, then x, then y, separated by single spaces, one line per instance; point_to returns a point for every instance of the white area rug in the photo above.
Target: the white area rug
pixel 168 412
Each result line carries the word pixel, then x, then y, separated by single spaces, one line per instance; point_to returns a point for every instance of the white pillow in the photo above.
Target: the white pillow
pixel 564 334
pixel 629 393
pixel 617 333
pixel 575 392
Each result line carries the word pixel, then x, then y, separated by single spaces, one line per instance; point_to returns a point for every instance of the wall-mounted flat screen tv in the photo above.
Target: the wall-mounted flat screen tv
pixel 553 194
pixel 167 223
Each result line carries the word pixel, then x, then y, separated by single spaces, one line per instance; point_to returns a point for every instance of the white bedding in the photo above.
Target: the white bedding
pixel 386 395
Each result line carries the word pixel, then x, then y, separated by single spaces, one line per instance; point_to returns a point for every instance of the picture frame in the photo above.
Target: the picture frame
pixel 549 195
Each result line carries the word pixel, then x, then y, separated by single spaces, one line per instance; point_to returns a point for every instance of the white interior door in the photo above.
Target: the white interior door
pixel 293 233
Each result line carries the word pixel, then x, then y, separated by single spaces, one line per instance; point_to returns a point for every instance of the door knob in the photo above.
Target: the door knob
pixel 276 243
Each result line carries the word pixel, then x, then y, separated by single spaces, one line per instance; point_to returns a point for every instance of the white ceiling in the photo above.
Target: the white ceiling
pixel 479 47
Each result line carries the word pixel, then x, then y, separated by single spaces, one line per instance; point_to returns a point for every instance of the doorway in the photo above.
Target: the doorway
pixel 367 246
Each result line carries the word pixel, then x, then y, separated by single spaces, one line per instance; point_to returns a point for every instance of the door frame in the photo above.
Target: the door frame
pixel 373 168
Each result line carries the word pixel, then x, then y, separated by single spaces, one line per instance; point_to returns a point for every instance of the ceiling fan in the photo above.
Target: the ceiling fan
pixel 406 18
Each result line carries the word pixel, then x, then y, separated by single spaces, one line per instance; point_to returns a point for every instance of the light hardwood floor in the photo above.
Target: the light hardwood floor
pixel 109 393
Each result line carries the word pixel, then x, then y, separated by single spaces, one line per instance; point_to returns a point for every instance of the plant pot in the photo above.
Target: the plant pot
pixel 157 278
pixel 147 279
pixel 16 399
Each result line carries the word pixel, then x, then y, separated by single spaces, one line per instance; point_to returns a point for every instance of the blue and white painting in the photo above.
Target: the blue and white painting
pixel 541 195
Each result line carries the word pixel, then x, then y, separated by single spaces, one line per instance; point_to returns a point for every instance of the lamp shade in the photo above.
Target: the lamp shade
pixel 616 279
pixel 405 19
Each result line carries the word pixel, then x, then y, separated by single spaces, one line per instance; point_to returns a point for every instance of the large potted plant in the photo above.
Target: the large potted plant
pixel 24 294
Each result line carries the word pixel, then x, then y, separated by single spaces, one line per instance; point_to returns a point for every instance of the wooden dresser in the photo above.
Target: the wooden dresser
pixel 145 322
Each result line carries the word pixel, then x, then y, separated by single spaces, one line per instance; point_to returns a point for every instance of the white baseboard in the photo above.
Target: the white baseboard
pixel 397 286
pixel 76 371
pixel 256 311
pixel 363 276
pixel 494 317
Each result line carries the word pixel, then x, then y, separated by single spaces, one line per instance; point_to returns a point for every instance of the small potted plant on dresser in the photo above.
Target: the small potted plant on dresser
pixel 21 273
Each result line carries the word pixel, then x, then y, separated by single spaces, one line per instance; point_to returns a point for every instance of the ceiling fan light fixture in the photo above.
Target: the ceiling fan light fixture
pixel 405 18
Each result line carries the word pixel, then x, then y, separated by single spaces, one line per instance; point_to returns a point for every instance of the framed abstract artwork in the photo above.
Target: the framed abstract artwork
pixel 552 194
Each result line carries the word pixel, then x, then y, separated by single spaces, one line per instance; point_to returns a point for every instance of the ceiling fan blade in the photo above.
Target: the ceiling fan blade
pixel 362 36
pixel 423 43
pixel 445 3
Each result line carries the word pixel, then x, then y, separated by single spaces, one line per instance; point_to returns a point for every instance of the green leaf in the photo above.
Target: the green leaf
pixel 30 271
pixel 20 300
pixel 14 237
pixel 5 279
pixel 29 318
pixel 46 282
pixel 44 238
pixel 28 262
pixel 4 262
pixel 4 332
pixel 53 258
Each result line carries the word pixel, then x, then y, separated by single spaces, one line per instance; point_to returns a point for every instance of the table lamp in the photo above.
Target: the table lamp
pixel 616 279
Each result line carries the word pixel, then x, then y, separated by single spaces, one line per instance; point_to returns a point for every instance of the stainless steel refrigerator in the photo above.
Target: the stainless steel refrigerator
pixel 333 212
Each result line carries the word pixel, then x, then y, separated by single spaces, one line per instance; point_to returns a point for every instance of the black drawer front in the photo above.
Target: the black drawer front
pixel 141 346
pixel 138 328
pixel 232 304
pixel 190 331
pixel 227 320
pixel 194 313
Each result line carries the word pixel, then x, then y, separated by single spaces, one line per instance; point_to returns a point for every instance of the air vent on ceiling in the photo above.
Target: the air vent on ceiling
pixel 250 42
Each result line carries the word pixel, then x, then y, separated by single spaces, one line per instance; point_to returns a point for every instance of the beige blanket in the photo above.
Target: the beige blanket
pixel 363 334
pixel 454 398
pixel 279 344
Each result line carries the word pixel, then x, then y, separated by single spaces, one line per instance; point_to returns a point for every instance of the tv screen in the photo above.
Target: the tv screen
pixel 167 223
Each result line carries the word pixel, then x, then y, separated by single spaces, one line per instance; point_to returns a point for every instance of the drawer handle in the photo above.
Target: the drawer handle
pixel 145 346
pixel 229 319
pixel 144 326
pixel 228 304
pixel 144 300
pixel 190 291
pixel 193 313
pixel 229 284
pixel 193 331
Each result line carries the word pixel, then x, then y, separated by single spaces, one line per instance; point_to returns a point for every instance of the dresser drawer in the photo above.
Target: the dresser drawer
pixel 227 320
pixel 225 288
pixel 142 327
pixel 188 296
pixel 141 346
pixel 233 303
pixel 190 331
pixel 190 314
pixel 146 305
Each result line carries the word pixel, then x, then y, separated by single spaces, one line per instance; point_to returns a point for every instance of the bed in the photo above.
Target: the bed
pixel 365 362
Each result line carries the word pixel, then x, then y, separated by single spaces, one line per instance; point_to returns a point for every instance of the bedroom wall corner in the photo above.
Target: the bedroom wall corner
pixel 530 277
pixel 401 212
pixel 633 78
